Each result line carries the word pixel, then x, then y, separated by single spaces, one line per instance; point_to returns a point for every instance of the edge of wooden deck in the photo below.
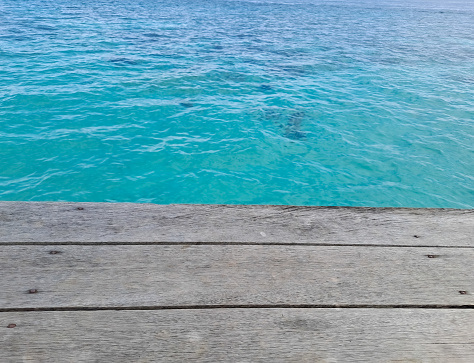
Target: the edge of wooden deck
pixel 57 222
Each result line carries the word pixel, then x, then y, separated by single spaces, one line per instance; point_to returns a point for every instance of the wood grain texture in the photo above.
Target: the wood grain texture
pixel 125 222
pixel 175 275
pixel 240 335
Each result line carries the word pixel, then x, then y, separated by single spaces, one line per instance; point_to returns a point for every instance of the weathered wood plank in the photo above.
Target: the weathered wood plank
pixel 175 275
pixel 240 335
pixel 124 222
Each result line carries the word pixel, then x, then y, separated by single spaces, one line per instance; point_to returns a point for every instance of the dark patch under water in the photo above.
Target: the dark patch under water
pixel 186 104
pixel 289 124
pixel 123 61
pixel 265 87
pixel 293 126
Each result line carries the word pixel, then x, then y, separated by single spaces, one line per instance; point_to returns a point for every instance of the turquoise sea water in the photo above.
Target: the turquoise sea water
pixel 305 102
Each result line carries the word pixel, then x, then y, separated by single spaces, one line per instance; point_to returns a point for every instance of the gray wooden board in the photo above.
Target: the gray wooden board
pixel 188 275
pixel 239 335
pixel 126 222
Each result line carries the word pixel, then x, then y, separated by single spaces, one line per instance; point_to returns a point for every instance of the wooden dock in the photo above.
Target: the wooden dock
pixel 98 282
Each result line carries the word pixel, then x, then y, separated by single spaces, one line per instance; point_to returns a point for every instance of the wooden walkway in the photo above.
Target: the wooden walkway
pixel 96 282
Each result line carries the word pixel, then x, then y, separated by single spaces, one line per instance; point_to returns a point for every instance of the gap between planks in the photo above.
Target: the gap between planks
pixel 295 244
pixel 228 307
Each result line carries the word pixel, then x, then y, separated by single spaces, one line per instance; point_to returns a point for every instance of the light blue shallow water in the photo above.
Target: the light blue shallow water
pixel 305 102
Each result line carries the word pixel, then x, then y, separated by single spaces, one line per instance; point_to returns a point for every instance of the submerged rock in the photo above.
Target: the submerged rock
pixel 186 104
pixel 265 87
pixel 123 61
pixel 293 126
pixel 289 124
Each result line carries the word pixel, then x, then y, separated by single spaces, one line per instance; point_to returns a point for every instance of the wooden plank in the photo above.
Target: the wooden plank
pixel 240 335
pixel 124 222
pixel 227 275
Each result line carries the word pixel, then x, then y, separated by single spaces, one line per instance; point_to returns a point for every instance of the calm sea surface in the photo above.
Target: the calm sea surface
pixel 305 102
